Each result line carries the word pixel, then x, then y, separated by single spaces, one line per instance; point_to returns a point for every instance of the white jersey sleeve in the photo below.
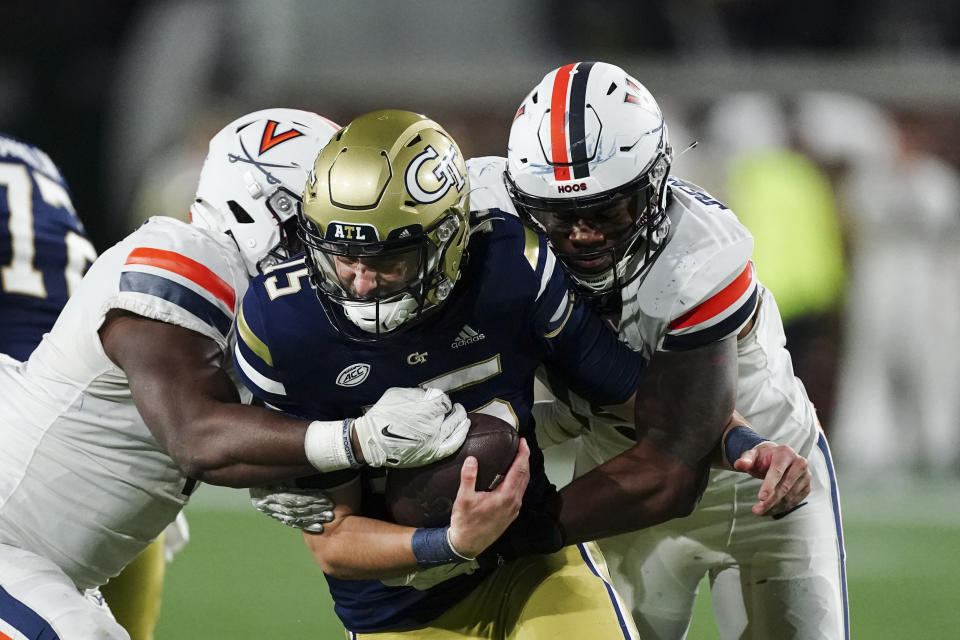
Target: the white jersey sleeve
pixel 75 448
pixel 702 287
pixel 172 272
pixel 487 189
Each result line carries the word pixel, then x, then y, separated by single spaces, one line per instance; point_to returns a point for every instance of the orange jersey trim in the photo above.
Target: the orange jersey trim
pixel 186 267
pixel 718 303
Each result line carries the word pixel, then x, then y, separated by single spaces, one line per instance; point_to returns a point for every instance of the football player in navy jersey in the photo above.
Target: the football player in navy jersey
pixel 402 284
pixel 44 251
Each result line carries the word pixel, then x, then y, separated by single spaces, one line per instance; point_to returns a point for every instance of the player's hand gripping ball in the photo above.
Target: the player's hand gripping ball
pixel 423 496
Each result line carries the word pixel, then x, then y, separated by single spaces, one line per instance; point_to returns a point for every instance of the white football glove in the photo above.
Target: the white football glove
pixel 411 428
pixel 426 578
pixel 305 509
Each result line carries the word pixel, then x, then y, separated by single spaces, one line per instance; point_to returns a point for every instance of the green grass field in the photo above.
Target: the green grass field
pixel 244 576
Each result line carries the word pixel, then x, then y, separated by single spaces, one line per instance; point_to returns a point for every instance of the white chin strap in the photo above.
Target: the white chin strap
pixel 626 268
pixel 597 283
pixel 392 314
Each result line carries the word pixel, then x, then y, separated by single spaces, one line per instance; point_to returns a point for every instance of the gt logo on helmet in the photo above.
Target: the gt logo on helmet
pixel 446 173
pixel 567 188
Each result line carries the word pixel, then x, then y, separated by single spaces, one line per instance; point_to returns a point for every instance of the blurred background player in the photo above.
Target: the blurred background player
pixel 44 251
pixel 787 203
pixel 669 266
pixel 128 403
pixel 45 254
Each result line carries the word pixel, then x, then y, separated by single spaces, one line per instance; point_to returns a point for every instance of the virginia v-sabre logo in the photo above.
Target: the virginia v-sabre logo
pixel 467 335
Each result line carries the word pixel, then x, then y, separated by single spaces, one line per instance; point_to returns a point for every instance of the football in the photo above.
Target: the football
pixel 423 496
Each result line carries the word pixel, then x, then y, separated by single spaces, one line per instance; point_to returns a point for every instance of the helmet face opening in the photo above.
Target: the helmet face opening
pixel 367 272
pixel 385 222
pixel 597 238
pixel 374 289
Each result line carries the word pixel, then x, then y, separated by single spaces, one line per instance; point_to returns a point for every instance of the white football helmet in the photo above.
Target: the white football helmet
pixel 252 180
pixel 589 140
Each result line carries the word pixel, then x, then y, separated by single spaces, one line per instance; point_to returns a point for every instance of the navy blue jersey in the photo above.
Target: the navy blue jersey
pixel 43 250
pixel 511 310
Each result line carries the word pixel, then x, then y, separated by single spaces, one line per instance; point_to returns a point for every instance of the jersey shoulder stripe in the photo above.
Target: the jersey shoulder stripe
pixel 718 303
pixel 173 272
pixel 20 621
pixel 188 268
pixel 177 294
pixel 730 325
pixel 255 362
pixel 250 339
pixel 254 378
pixel 721 315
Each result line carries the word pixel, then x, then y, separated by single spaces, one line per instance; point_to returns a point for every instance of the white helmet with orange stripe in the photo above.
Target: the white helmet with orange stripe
pixel 587 163
pixel 252 181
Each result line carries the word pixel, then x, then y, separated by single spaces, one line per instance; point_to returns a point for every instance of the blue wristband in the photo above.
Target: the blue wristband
pixel 431 547
pixel 738 440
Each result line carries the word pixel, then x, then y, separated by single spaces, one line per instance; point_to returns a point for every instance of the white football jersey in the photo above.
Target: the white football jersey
pixel 701 288
pixel 83 481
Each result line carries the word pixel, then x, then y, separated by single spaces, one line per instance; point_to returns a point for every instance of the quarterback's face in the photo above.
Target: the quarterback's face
pixel 589 231
pixel 376 276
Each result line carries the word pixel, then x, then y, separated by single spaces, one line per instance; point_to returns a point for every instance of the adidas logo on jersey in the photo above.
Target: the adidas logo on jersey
pixel 467 336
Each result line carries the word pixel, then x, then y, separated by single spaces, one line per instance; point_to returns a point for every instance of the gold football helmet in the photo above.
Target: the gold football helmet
pixel 385 221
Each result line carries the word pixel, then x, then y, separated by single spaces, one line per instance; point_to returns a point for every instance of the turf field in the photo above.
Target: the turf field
pixel 244 576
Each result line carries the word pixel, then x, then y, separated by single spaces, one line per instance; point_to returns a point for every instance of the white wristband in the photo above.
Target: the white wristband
pixel 326 446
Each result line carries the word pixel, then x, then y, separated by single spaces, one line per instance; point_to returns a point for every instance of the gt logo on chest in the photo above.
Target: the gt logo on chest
pixel 417 358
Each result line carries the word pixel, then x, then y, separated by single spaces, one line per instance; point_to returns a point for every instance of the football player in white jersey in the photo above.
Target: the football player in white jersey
pixel 131 400
pixel 45 251
pixel 588 164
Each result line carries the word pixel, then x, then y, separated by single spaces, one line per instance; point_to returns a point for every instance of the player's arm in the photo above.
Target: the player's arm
pixel 785 473
pixel 192 407
pixel 357 547
pixel 682 408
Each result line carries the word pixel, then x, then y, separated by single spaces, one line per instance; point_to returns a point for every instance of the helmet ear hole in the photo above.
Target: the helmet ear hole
pixel 291 236
pixel 239 213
